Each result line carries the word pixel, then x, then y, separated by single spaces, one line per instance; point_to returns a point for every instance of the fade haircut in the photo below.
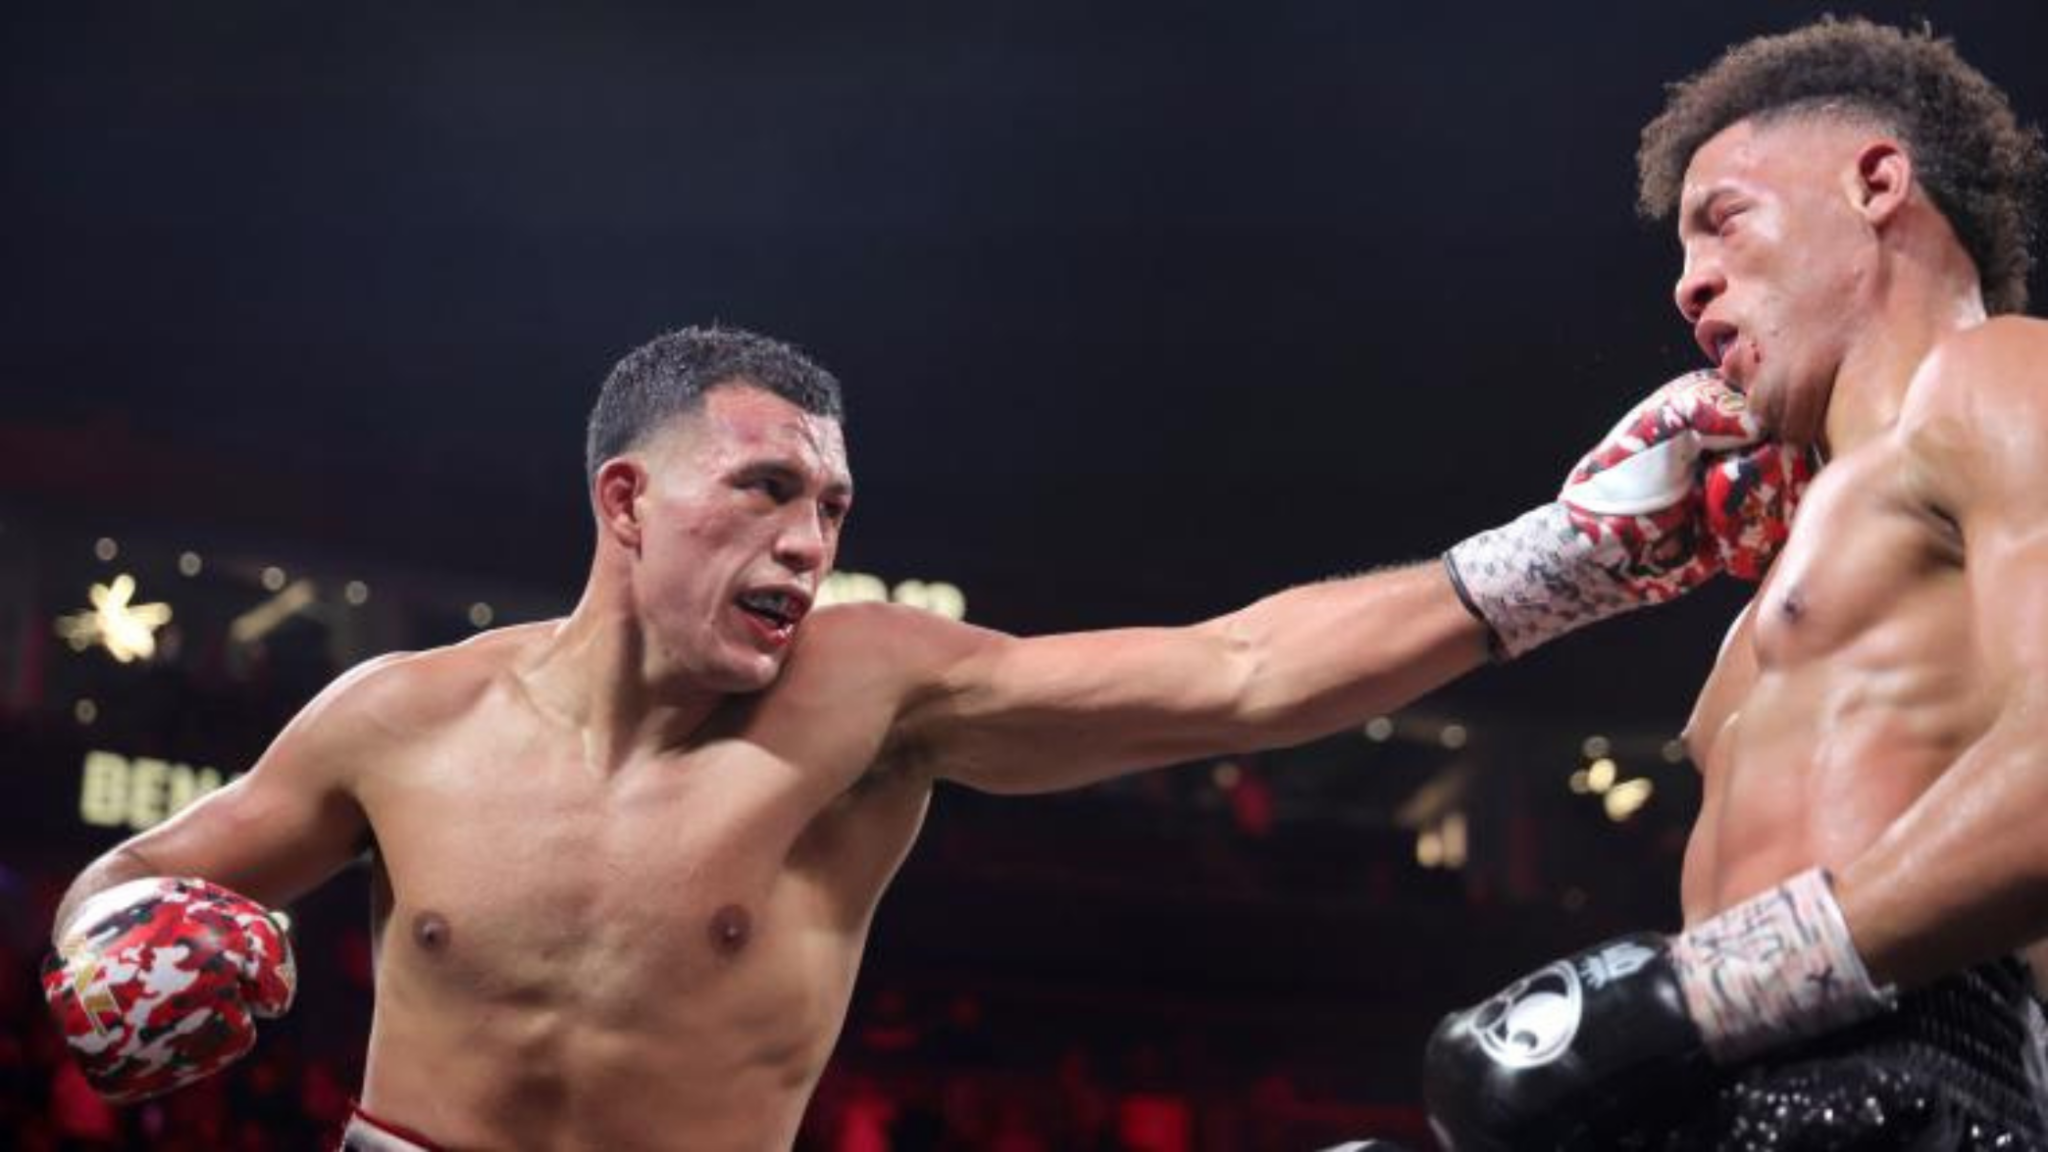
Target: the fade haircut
pixel 669 375
pixel 1980 166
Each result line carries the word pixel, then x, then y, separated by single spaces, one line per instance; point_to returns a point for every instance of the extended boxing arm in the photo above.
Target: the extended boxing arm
pixel 1649 513
pixel 1027 715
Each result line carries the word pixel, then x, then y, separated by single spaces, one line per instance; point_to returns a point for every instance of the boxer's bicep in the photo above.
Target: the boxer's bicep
pixel 1052 712
pixel 287 824
pixel 1988 434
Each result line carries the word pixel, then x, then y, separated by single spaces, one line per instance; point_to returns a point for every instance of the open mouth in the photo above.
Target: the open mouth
pixel 774 612
pixel 1716 341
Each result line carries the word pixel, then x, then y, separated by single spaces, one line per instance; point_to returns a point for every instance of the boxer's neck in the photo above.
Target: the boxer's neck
pixel 590 672
pixel 1927 289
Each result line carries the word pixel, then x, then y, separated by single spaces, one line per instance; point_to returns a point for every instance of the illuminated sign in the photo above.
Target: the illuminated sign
pixel 116 791
pixel 931 595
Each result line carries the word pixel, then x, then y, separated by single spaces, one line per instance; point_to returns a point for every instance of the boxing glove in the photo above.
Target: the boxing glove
pixel 1594 1041
pixel 1683 488
pixel 1566 1051
pixel 157 982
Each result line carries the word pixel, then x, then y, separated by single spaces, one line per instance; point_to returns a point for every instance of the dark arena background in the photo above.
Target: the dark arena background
pixel 1142 309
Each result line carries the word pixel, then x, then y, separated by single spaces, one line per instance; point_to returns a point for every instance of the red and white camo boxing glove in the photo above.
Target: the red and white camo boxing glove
pixel 1684 487
pixel 157 982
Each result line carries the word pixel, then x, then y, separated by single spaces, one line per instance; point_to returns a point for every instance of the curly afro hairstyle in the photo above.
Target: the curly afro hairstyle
pixel 1978 164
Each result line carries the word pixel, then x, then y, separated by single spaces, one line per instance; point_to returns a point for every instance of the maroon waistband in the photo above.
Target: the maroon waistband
pixel 358 1115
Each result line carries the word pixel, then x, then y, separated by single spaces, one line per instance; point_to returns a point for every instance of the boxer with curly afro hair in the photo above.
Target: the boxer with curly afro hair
pixel 1981 167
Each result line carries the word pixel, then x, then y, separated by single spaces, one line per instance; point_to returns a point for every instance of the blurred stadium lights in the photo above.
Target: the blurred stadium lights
pixel 126 629
pixel 1436 813
pixel 264 618
pixel 860 587
pixel 1627 798
pixel 1619 798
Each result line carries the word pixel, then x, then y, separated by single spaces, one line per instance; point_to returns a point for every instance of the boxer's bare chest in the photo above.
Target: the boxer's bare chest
pixel 1846 687
pixel 1871 577
pixel 516 870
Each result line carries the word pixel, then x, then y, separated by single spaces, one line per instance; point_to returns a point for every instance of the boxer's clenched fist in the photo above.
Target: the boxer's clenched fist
pixel 157 982
pixel 1684 487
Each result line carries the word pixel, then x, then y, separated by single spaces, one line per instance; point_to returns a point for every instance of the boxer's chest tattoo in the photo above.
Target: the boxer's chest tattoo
pixel 729 929
pixel 431 931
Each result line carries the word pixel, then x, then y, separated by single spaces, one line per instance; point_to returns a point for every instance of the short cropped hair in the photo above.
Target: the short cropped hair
pixel 1980 166
pixel 669 375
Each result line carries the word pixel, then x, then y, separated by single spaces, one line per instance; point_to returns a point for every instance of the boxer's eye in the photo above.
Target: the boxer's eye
pixel 774 487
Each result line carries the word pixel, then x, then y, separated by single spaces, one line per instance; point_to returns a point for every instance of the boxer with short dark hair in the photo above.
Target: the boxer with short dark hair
pixel 1867 863
pixel 625 862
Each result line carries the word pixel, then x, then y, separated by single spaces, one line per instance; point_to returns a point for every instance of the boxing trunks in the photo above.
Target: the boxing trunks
pixel 1959 1065
pixel 366 1133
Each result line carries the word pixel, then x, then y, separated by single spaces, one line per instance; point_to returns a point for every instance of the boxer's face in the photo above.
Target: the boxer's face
pixel 740 521
pixel 1777 260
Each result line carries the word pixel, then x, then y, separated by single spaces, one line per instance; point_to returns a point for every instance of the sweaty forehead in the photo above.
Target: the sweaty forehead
pixel 736 420
pixel 1771 151
pixel 1731 155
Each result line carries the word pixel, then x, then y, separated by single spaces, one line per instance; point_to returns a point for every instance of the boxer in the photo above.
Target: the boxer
pixel 625 862
pixel 1868 860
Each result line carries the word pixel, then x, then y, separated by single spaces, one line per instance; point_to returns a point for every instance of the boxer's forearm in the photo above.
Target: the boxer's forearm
pixel 1314 659
pixel 1962 877
pixel 1054 712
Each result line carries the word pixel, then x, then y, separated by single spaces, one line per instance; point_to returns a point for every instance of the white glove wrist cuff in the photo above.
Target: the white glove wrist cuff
pixel 1777 968
pixel 1534 579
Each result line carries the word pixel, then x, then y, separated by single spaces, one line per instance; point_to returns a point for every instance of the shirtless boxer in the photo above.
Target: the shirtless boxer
pixel 625 862
pixel 1871 851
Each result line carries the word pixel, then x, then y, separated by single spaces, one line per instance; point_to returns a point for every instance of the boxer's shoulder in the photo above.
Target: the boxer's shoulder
pixel 870 664
pixel 1998 368
pixel 405 695
pixel 1977 413
pixel 890 642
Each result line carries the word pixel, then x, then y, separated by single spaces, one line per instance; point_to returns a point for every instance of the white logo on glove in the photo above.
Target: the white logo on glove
pixel 1614 962
pixel 1533 1020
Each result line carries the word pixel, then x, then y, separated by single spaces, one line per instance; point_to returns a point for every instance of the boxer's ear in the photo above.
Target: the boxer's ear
pixel 621 482
pixel 1880 180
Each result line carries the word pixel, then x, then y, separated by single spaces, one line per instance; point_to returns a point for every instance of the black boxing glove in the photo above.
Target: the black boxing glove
pixel 1563 1051
pixel 1585 1045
